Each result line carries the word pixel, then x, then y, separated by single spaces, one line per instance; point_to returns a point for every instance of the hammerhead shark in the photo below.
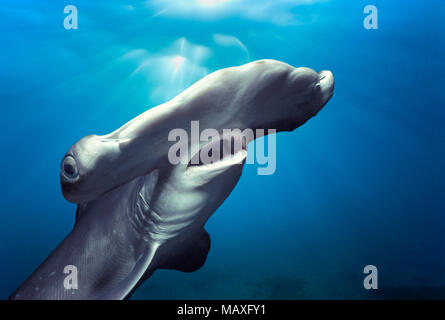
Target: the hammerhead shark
pixel 136 210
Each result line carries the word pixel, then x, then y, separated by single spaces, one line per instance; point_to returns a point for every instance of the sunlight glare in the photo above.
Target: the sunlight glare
pixel 177 63
pixel 211 3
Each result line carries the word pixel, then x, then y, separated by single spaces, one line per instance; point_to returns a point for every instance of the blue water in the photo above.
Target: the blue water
pixel 361 183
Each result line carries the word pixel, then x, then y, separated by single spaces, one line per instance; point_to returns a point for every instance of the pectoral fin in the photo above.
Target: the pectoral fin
pixel 192 257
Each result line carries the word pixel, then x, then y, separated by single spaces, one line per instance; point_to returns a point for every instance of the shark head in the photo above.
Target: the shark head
pixel 265 94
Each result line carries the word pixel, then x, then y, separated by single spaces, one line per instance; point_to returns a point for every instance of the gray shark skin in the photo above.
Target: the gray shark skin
pixel 136 211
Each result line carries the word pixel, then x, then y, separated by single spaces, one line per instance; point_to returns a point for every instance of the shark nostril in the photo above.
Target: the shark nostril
pixel 326 80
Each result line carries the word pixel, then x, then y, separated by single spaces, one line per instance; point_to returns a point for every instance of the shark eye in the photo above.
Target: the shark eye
pixel 69 169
